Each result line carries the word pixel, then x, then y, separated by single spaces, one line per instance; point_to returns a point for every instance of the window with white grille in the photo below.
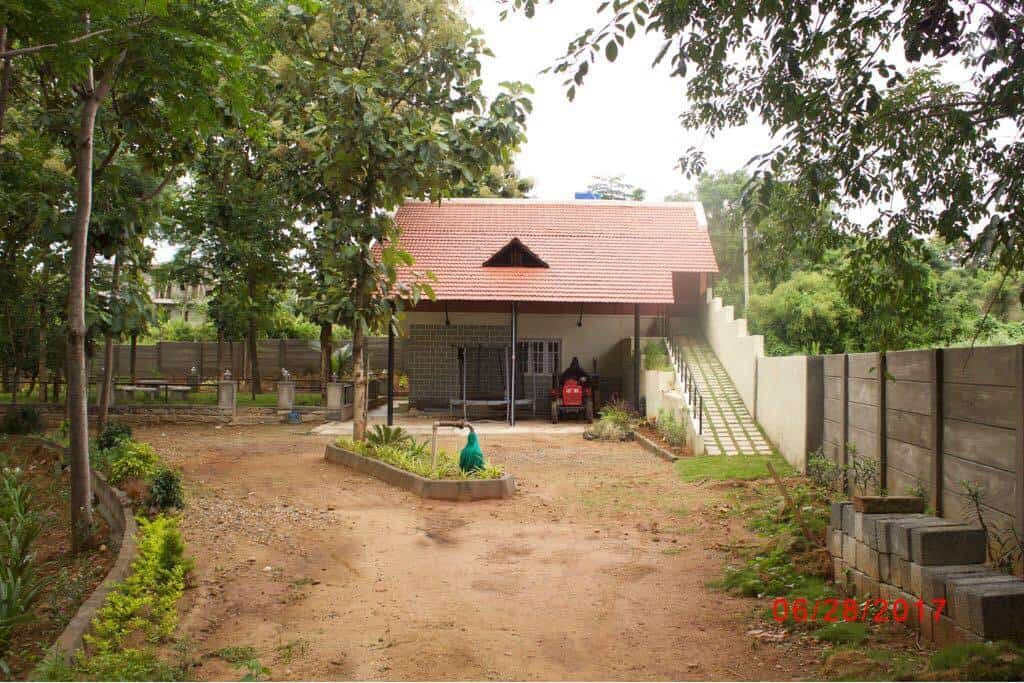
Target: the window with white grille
pixel 538 356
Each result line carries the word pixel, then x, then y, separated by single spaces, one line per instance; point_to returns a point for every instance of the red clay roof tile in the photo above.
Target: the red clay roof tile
pixel 598 251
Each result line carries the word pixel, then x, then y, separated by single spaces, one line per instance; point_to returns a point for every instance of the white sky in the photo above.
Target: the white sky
pixel 625 119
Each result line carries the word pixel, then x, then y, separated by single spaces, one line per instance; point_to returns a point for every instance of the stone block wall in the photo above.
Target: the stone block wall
pixel 935 565
pixel 432 363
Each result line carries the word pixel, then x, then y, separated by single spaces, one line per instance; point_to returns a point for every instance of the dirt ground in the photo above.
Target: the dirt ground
pixel 596 569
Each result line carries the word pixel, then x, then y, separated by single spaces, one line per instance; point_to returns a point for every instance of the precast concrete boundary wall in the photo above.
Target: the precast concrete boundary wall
pixel 934 423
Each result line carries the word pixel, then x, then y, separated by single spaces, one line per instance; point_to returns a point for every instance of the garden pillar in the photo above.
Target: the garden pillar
pixel 335 398
pixel 285 391
pixel 227 393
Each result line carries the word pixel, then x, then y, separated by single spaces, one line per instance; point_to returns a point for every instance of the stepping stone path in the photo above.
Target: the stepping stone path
pixel 728 425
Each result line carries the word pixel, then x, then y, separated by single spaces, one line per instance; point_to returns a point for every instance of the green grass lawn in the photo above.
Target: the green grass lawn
pixel 199 398
pixel 727 467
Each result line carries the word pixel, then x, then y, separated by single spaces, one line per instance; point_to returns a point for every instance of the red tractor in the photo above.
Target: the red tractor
pixel 573 393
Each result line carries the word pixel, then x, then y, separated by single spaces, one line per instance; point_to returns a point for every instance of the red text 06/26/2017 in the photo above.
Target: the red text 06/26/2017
pixel 833 610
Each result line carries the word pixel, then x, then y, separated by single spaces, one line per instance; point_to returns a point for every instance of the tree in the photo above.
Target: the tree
pixel 785 235
pixel 383 101
pixel 615 188
pixel 171 64
pixel 237 222
pixel 860 128
pixel 499 181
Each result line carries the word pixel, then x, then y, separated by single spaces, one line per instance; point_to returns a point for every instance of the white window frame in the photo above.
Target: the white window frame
pixel 551 356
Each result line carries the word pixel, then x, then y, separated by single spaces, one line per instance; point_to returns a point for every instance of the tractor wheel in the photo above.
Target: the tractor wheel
pixel 589 410
pixel 554 412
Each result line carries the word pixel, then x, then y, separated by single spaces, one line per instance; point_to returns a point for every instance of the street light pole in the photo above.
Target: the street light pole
pixel 746 267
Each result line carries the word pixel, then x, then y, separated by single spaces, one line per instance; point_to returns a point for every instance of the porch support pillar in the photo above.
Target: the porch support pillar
pixel 636 357
pixel 391 372
pixel 512 369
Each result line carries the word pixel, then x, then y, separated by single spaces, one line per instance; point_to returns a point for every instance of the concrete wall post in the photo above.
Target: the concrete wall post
pixel 285 395
pixel 227 394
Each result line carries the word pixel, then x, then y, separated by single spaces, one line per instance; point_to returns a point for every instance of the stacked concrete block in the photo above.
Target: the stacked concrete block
pixel 903 554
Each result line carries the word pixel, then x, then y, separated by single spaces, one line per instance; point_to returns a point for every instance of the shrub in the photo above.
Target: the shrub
pixel 19 528
pixel 672 429
pixel 22 420
pixel 413 456
pixel 114 434
pixel 607 429
pixel 132 460
pixel 382 435
pixel 147 600
pixel 825 472
pixel 166 492
pixel 620 413
pixel 656 356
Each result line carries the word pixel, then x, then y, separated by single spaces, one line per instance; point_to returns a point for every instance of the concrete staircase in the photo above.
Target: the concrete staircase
pixel 728 426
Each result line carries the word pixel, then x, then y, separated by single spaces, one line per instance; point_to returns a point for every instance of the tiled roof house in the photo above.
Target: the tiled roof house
pixel 544 282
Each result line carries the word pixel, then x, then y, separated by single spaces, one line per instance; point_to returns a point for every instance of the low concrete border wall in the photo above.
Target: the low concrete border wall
pixel 113 504
pixel 437 489
pixel 648 445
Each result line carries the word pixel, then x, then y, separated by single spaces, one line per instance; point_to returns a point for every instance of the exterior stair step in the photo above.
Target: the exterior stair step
pixel 728 423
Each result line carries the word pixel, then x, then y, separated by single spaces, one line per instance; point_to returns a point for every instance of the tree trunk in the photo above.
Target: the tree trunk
pixel 108 352
pixel 254 359
pixel 5 81
pixel 220 351
pixel 359 383
pixel 42 364
pixel 78 385
pixel 131 356
pixel 325 358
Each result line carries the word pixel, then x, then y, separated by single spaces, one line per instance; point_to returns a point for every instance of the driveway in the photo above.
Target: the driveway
pixel 596 569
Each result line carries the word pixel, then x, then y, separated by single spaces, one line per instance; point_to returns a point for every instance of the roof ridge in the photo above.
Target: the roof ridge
pixel 528 201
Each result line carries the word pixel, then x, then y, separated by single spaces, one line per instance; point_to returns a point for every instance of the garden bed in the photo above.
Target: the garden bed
pixel 437 489
pixel 68 580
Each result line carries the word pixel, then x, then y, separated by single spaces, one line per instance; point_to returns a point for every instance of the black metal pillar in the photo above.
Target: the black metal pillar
pixel 512 369
pixel 391 373
pixel 636 357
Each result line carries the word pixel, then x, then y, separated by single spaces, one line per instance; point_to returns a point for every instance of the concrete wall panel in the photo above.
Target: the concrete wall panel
pixel 913 397
pixel 910 365
pixel 983 444
pixel 982 404
pixel 864 365
pixel 910 428
pixel 986 365
pixel 863 391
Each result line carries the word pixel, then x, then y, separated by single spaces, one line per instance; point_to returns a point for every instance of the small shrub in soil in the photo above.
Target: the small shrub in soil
pixel 656 356
pixel 672 429
pixel 132 460
pixel 606 429
pixel 114 434
pixel 620 413
pixel 165 492
pixel 22 420
pixel 413 456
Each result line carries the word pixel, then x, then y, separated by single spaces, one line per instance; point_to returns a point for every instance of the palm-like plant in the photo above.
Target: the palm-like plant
pixel 382 435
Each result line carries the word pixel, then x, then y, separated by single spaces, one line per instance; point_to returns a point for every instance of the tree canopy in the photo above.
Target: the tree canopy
pixel 863 115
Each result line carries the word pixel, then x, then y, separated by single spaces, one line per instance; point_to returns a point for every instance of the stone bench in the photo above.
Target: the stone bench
pixel 130 390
